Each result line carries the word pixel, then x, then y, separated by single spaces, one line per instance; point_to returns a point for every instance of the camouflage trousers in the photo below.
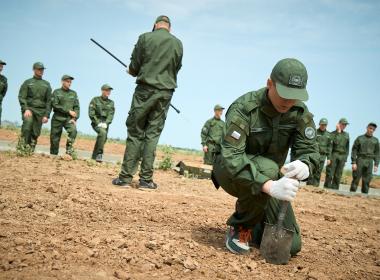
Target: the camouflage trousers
pixel 145 122
pixel 252 211
pixel 31 128
pixel 334 171
pixel 208 158
pixel 101 140
pixel 363 171
pixel 59 122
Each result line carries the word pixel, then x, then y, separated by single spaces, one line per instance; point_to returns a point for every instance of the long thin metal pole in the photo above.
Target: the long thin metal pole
pixel 122 63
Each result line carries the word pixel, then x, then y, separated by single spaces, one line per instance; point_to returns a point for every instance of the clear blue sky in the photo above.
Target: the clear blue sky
pixel 230 48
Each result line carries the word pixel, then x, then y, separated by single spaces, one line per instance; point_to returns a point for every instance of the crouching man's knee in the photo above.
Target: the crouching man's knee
pixel 266 166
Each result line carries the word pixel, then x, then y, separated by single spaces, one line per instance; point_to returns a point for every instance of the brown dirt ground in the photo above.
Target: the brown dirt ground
pixel 64 220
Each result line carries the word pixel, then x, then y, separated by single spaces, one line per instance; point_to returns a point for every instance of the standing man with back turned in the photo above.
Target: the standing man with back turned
pixel 365 152
pixel 211 135
pixel 339 152
pixel 3 86
pixel 324 145
pixel 260 128
pixel 35 102
pixel 155 62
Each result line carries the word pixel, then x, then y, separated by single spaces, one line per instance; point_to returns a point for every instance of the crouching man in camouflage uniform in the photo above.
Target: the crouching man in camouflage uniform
pixel 101 112
pixel 260 128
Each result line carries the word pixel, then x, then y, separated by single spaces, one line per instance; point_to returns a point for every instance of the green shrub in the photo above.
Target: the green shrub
pixel 22 149
pixel 167 161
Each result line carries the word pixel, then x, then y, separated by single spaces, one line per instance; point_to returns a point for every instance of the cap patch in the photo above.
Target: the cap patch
pixel 309 132
pixel 295 80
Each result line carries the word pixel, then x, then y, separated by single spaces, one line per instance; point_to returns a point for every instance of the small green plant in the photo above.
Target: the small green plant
pixel 22 149
pixel 167 161
pixel 74 155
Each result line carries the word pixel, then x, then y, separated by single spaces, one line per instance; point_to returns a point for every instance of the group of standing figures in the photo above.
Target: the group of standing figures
pixel 248 151
pixel 37 101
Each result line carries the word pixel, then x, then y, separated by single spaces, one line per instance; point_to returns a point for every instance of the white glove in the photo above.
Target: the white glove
pixel 284 189
pixel 102 125
pixel 297 169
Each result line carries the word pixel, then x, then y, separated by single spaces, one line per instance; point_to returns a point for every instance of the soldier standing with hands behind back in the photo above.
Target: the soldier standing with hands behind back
pixel 101 111
pixel 211 135
pixel 3 86
pixel 365 152
pixel 35 102
pixel 339 153
pixel 65 105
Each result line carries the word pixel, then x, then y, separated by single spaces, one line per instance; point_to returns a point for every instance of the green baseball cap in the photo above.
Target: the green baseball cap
pixel 290 76
pixel 372 124
pixel 38 65
pixel 106 86
pixel 3 62
pixel 323 121
pixel 162 18
pixel 218 107
pixel 344 121
pixel 67 77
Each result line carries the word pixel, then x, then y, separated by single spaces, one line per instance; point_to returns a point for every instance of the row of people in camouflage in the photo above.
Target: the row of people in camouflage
pixel 37 101
pixel 334 149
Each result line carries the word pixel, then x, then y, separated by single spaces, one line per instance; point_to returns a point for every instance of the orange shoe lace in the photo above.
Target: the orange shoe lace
pixel 244 235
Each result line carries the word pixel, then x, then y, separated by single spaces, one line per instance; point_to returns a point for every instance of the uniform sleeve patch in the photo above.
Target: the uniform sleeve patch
pixel 236 135
pixel 310 132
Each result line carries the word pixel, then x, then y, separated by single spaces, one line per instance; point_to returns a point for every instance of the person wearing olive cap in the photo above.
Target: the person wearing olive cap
pixel 324 145
pixel 101 111
pixel 211 135
pixel 155 62
pixel 3 86
pixel 340 145
pixel 365 157
pixel 261 127
pixel 35 101
pixel 65 104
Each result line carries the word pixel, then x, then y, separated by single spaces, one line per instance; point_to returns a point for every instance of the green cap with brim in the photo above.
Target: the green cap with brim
pixel 218 107
pixel 67 77
pixel 344 121
pixel 162 18
pixel 3 62
pixel 372 124
pixel 106 87
pixel 290 76
pixel 38 65
pixel 323 121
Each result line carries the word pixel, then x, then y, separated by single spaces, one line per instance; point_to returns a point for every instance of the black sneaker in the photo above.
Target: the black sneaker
pixel 118 182
pixel 99 158
pixel 237 240
pixel 148 185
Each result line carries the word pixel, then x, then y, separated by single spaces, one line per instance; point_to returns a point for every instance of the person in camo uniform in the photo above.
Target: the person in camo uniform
pixel 365 156
pixel 35 102
pixel 261 127
pixel 66 109
pixel 339 152
pixel 324 145
pixel 101 111
pixel 211 135
pixel 155 62
pixel 3 86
